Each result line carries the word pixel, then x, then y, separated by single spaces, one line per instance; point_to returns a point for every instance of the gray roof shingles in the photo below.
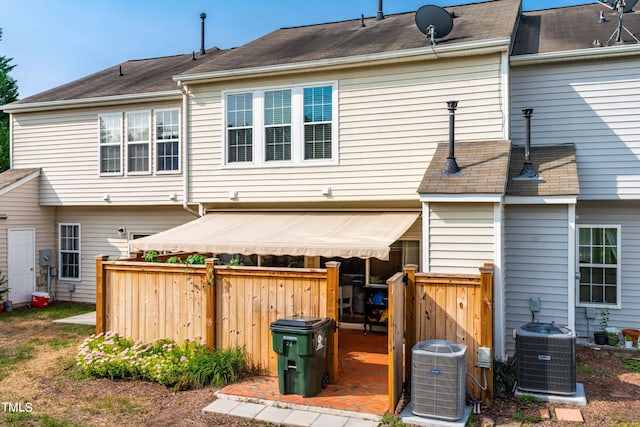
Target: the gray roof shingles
pixel 138 76
pixel 556 166
pixel 571 28
pixel 483 165
pixel 11 176
pixel 472 22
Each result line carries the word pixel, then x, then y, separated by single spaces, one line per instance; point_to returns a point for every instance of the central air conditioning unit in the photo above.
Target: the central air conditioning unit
pixel 546 359
pixel 438 379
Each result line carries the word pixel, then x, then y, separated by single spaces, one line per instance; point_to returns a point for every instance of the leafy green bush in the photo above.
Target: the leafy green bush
pixel 174 260
pixel 186 366
pixel 195 259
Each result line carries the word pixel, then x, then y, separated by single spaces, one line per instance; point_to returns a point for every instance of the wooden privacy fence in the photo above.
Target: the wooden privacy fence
pixel 224 306
pixel 453 307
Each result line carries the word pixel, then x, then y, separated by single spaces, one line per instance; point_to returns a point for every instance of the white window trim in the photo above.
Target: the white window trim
pixel 127 143
pixel 155 142
pixel 297 130
pixel 60 269
pixel 618 267
pixel 100 145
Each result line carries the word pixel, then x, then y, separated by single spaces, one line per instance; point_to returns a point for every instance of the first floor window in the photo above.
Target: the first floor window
pixel 599 263
pixel 69 244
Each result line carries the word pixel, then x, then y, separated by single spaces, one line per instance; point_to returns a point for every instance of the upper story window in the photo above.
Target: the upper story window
pixel 132 133
pixel 167 141
pixel 281 126
pixel 110 143
pixel 599 263
pixel 138 142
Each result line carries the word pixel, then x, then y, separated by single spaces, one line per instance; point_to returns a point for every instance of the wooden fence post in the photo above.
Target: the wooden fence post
pixel 210 295
pixel 101 295
pixel 486 335
pixel 333 275
pixel 409 317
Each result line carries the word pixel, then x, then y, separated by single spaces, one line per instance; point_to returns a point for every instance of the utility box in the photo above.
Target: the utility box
pixel 44 257
pixel 301 344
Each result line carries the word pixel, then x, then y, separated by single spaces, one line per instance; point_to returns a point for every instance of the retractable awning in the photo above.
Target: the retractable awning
pixel 329 234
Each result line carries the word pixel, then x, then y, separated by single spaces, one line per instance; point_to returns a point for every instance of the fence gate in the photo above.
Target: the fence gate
pixel 396 337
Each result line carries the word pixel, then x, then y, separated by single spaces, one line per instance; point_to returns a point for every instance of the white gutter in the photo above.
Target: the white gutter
pixel 475 48
pixel 90 102
pixel 185 148
pixel 577 54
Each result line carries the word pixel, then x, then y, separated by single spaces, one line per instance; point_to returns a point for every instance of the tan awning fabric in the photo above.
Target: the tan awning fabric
pixel 329 234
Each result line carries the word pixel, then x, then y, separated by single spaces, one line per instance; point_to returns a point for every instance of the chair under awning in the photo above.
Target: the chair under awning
pixel 328 234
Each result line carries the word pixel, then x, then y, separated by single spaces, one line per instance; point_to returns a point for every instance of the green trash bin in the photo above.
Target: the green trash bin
pixel 301 344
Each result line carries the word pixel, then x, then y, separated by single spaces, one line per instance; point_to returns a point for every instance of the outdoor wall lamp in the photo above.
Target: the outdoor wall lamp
pixel 3 216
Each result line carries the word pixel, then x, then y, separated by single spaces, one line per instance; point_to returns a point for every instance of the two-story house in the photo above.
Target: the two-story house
pixel 329 140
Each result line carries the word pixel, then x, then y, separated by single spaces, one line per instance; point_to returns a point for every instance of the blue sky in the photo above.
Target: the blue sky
pixel 55 42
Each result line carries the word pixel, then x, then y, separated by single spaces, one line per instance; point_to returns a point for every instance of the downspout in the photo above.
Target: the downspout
pixel 185 149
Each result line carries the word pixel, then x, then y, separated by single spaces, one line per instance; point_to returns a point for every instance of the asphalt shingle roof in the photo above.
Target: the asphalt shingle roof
pixel 483 167
pixel 556 166
pixel 138 76
pixel 12 176
pixel 472 22
pixel 571 28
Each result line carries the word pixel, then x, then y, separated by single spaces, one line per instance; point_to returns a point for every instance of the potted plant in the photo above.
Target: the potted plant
pixel 628 341
pixel 612 338
pixel 600 336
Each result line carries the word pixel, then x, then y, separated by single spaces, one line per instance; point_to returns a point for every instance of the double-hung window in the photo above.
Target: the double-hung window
pixel 240 128
pixel 599 263
pixel 281 126
pixel 69 247
pixel 318 112
pixel 167 141
pixel 138 141
pixel 110 144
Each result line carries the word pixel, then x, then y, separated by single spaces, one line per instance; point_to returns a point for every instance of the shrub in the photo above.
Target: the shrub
pixel 182 367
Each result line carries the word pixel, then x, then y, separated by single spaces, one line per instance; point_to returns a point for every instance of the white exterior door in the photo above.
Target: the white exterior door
pixel 21 261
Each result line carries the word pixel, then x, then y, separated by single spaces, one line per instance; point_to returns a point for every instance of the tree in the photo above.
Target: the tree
pixel 8 93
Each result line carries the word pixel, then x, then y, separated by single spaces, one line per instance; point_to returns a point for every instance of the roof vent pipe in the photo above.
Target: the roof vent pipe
pixel 451 167
pixel 203 16
pixel 527 170
pixel 380 15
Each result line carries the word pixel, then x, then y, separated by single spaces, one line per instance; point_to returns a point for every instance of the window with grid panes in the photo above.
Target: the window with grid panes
pixel 110 143
pixel 240 128
pixel 318 107
pixel 167 140
pixel 599 263
pixel 69 255
pixel 138 141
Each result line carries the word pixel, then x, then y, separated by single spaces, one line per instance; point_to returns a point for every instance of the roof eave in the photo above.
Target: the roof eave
pixel 19 182
pixel 462 197
pixel 92 102
pixel 461 49
pixel 576 54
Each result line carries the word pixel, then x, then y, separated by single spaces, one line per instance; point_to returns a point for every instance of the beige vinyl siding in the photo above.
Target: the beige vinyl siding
pixel 594 105
pixel 627 215
pixel 461 237
pixel 536 265
pixel 22 209
pixel 65 145
pixel 99 236
pixel 390 119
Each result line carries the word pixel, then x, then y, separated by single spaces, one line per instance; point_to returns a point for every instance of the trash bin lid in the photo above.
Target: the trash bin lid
pixel 301 322
pixel 535 328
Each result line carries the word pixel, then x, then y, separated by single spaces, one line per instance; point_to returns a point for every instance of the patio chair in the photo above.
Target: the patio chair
pixel 345 298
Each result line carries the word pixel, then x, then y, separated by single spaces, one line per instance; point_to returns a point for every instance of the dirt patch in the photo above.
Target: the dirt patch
pixel 44 378
pixel 612 391
pixel 43 382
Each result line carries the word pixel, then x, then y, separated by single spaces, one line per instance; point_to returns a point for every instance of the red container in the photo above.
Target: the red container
pixel 40 299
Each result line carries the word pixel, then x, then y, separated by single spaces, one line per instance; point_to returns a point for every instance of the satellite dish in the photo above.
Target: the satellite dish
pixel 628 4
pixel 434 22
